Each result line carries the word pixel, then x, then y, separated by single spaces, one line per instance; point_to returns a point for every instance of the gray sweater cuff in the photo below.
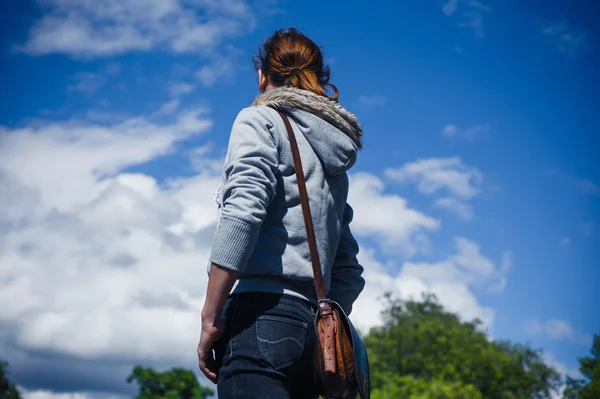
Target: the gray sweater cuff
pixel 233 244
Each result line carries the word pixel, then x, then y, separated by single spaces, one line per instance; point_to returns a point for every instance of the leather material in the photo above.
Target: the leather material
pixel 336 354
pixel 340 350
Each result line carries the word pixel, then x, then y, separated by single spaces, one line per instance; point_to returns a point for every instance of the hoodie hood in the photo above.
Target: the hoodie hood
pixel 333 132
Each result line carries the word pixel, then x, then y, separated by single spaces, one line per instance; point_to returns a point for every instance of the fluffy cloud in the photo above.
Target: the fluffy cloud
pixel 568 40
pixel 373 100
pixel 402 234
pixel 469 133
pixel 451 279
pixel 63 163
pixel 44 394
pixel 563 369
pixel 180 88
pixel 92 29
pixel 456 206
pixel 440 174
pixel 556 329
pixel 221 66
pixel 98 263
pixel 469 13
pixel 387 217
pixel 448 176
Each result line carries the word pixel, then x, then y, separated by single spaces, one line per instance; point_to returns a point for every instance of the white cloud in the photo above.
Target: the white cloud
pixel 449 130
pixel 469 133
pixel 450 176
pixel 450 7
pixel 561 367
pixel 556 329
pixel 440 174
pixel 559 329
pixel 469 13
pixel 74 155
pixel 450 280
pixel 44 394
pixel 180 88
pixel 373 100
pixel 568 40
pixel 86 244
pixel 220 67
pixel 98 29
pixel 404 229
pixel 170 106
pixel 460 208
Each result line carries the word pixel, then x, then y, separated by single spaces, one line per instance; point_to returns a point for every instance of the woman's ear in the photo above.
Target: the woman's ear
pixel 263 81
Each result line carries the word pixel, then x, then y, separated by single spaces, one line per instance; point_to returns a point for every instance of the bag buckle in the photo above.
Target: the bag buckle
pixel 324 304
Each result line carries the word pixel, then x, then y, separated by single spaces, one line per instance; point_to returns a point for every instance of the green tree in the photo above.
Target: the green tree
pixel 423 351
pixel 7 389
pixel 177 383
pixel 589 386
pixel 397 386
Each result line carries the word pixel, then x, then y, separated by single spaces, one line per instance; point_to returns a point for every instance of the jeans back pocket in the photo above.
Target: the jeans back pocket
pixel 281 340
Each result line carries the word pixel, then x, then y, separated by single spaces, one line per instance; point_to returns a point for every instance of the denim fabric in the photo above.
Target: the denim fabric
pixel 267 349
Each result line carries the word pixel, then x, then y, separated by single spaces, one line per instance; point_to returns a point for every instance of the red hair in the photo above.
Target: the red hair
pixel 289 58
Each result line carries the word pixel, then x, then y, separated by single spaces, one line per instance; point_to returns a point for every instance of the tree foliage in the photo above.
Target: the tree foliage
pixel 177 383
pixel 419 388
pixel 7 389
pixel 589 386
pixel 423 351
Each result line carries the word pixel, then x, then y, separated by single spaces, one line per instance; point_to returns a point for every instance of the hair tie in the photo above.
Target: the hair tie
pixel 294 71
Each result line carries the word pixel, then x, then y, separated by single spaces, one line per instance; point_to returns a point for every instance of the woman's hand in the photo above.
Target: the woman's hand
pixel 220 282
pixel 212 330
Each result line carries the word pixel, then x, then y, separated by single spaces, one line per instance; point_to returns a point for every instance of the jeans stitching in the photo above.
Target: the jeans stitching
pixel 265 352
pixel 282 340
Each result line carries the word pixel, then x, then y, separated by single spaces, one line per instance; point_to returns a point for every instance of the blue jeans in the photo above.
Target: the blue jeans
pixel 267 350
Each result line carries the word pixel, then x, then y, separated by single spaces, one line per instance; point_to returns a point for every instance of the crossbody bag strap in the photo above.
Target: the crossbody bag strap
pixel 310 231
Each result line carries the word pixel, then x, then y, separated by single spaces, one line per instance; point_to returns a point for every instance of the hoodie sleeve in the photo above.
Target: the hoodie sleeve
pixel 346 276
pixel 249 184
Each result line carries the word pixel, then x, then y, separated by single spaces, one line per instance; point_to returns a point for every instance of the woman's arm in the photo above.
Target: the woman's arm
pixel 250 184
pixel 220 282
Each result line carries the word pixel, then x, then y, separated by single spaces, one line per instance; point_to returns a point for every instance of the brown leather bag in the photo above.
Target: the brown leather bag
pixel 341 363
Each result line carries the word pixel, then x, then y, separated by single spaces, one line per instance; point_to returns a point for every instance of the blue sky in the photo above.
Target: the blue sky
pixel 479 179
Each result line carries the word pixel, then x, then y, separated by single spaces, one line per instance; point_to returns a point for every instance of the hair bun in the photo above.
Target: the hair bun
pixel 289 58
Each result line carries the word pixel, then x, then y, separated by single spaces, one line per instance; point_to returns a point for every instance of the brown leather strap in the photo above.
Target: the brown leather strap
pixel 310 231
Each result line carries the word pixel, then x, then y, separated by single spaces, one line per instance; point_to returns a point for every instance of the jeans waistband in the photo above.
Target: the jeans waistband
pixel 257 297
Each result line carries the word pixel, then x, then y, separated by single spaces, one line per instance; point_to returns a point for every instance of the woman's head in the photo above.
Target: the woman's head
pixel 289 58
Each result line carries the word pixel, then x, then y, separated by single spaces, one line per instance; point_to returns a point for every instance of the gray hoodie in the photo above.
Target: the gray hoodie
pixel 260 230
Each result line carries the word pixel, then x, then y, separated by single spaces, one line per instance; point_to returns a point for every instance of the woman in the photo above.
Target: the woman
pixel 262 334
